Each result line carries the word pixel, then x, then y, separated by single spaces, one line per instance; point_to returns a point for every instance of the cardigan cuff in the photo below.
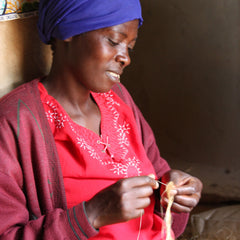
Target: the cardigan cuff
pixel 79 221
pixel 84 209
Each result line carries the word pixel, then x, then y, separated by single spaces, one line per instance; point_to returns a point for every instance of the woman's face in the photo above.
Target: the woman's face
pixel 97 58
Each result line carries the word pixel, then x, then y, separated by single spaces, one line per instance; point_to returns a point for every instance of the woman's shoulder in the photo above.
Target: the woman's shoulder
pixel 19 91
pixel 26 93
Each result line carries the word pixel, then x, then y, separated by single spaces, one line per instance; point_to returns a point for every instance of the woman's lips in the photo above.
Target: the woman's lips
pixel 113 76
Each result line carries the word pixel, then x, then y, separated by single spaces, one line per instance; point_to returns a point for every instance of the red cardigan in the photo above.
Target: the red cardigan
pixel 32 196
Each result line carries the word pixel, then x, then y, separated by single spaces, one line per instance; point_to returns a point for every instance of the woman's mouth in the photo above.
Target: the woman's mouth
pixel 114 76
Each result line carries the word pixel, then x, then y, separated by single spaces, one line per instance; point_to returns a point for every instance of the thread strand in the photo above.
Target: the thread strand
pixel 140 226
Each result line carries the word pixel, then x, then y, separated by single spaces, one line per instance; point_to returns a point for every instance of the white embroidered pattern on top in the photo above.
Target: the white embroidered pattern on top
pixel 122 130
pixel 82 143
pixel 128 165
pixel 54 117
pixel 119 168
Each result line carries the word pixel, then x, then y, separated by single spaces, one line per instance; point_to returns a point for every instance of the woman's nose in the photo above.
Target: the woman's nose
pixel 123 57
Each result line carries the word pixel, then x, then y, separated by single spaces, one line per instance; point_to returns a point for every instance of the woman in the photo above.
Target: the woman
pixel 78 160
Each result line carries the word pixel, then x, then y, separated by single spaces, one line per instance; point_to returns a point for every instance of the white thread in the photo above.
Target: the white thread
pixel 162 183
pixel 168 215
pixel 140 226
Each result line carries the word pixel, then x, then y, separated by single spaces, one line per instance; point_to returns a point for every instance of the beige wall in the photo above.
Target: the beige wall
pixel 184 76
pixel 22 56
pixel 186 79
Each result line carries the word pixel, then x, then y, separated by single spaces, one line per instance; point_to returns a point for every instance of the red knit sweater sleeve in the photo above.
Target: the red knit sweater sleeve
pixel 32 198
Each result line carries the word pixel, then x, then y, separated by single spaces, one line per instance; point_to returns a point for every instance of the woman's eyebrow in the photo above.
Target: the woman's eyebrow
pixel 125 35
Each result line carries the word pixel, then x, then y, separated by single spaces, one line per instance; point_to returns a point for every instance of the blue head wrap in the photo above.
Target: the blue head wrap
pixel 62 19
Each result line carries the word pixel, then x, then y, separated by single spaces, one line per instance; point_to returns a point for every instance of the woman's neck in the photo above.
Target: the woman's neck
pixel 76 100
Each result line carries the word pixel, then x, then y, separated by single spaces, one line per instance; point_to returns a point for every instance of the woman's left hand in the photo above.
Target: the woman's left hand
pixel 187 191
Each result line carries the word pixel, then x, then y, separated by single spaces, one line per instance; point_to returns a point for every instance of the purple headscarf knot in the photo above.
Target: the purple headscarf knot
pixel 62 19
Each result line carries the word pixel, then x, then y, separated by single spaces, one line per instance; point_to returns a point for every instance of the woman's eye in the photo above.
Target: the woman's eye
pixel 113 43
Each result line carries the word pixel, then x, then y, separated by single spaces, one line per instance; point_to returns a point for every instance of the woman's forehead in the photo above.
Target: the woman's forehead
pixel 125 29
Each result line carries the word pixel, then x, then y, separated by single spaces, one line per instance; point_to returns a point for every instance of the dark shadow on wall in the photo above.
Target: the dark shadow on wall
pixel 35 56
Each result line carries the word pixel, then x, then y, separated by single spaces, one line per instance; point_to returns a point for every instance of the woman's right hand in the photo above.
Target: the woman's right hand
pixel 120 202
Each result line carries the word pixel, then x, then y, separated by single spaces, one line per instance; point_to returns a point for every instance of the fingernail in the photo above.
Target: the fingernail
pixel 173 192
pixel 152 175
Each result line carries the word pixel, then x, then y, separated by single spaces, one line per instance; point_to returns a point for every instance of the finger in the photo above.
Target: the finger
pixel 191 182
pixel 139 181
pixel 176 207
pixel 150 180
pixel 185 190
pixel 188 201
pixel 180 208
pixel 134 213
pixel 143 191
pixel 142 203
pixel 156 182
pixel 137 193
pixel 171 192
pixel 151 175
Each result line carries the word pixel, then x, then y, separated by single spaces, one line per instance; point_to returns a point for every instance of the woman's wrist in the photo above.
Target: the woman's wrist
pixel 91 213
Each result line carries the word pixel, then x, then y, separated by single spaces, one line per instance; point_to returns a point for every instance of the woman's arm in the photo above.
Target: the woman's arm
pixel 29 208
pixel 17 222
